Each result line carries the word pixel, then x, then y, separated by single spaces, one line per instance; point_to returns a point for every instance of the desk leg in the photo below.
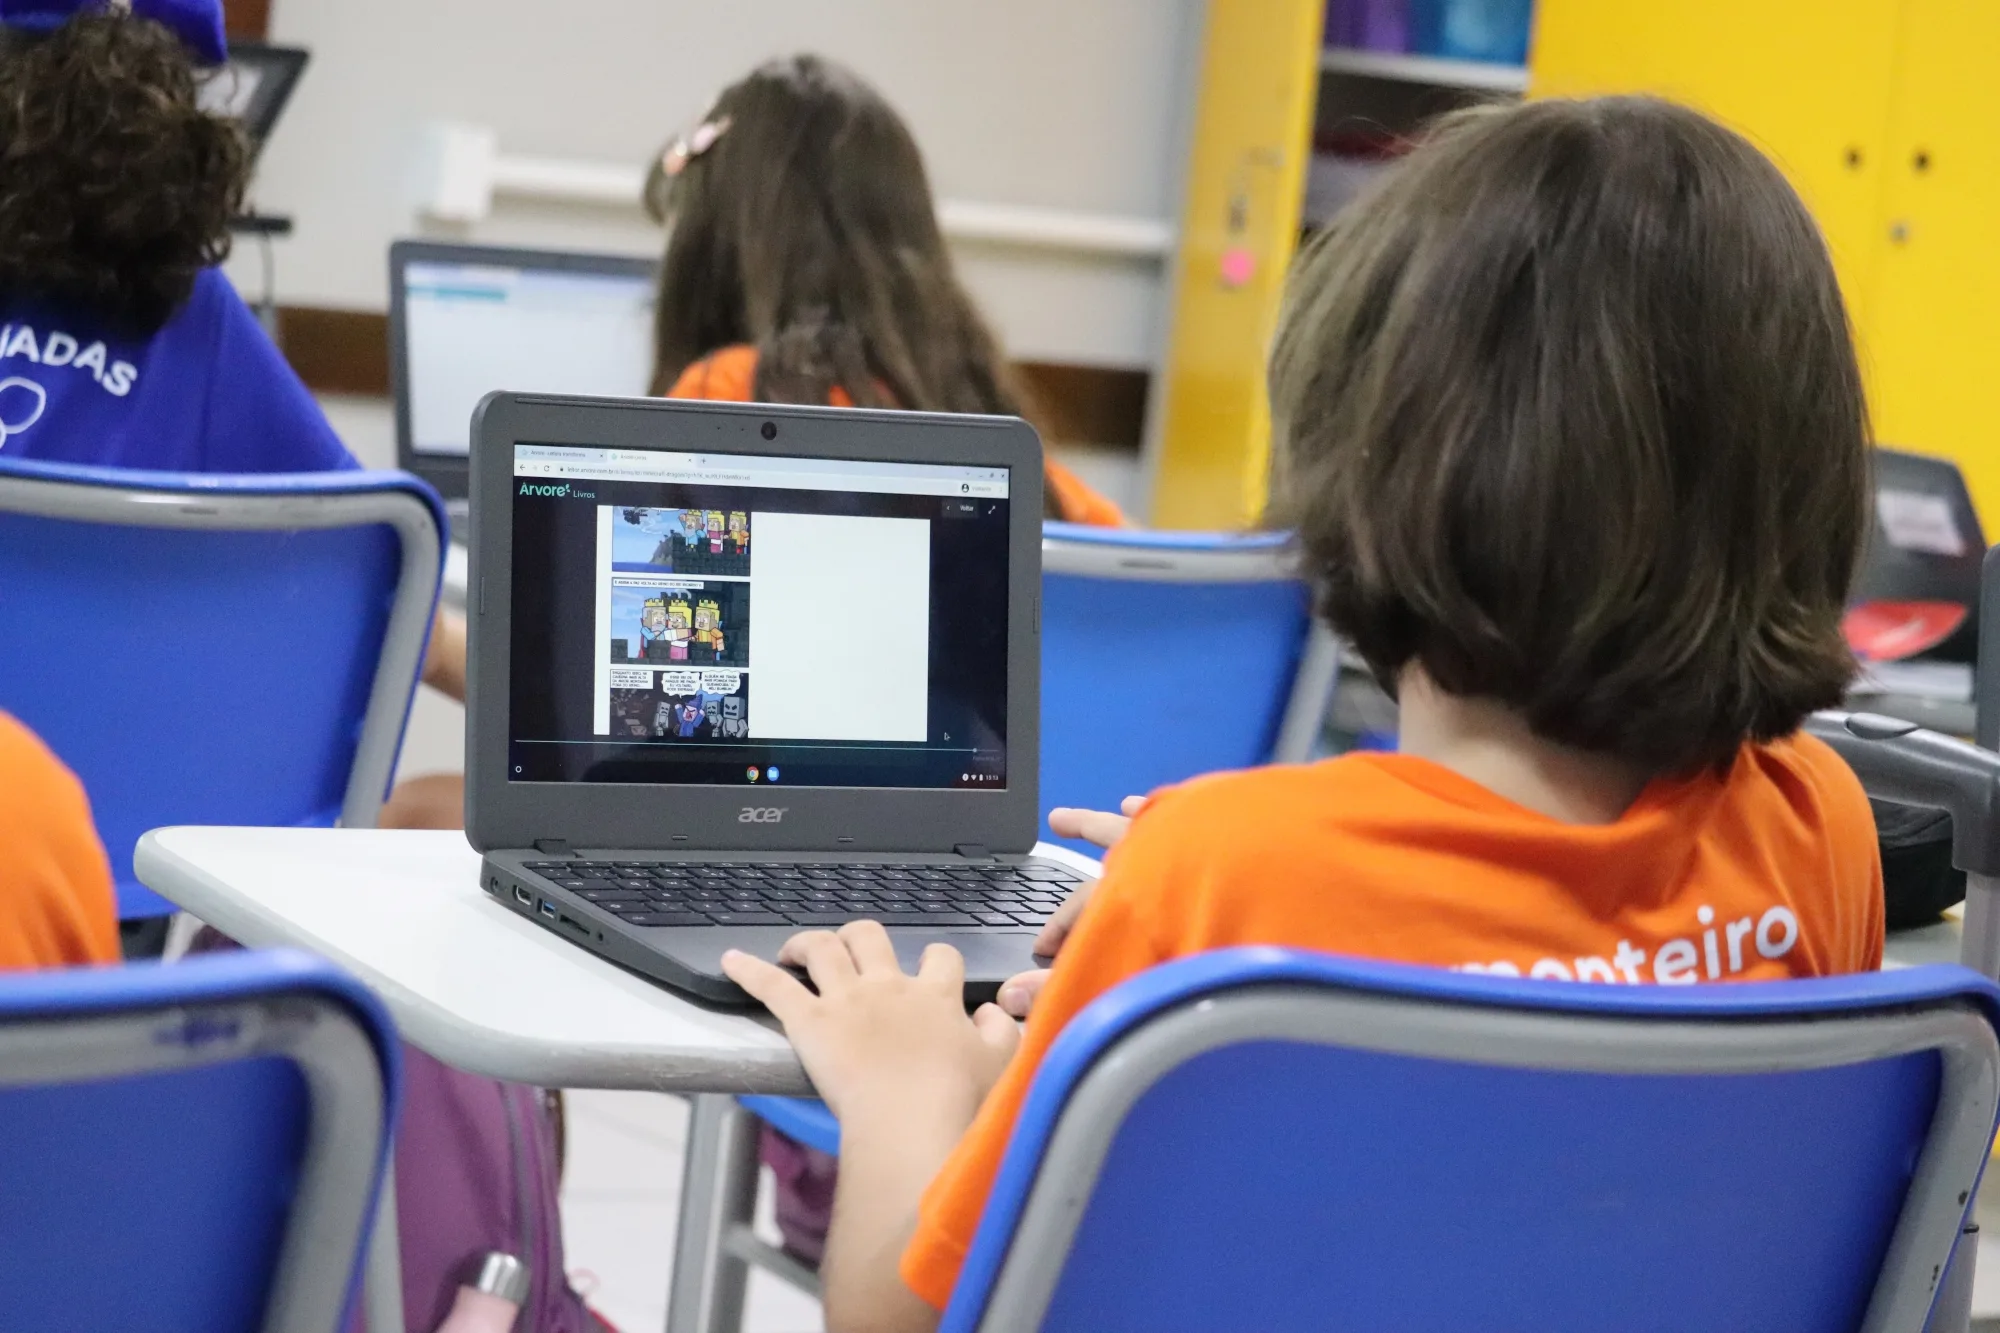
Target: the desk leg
pixel 382 1273
pixel 718 1193
pixel 1952 1312
pixel 1981 949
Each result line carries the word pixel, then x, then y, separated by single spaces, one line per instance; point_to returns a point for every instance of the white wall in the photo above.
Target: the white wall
pixel 1074 104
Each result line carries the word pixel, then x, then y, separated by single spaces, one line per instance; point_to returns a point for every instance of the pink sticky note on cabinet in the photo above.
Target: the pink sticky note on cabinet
pixel 1238 265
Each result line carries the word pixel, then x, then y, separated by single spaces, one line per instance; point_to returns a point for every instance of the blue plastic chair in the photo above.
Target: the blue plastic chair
pixel 1269 1139
pixel 215 649
pixel 190 1149
pixel 1170 654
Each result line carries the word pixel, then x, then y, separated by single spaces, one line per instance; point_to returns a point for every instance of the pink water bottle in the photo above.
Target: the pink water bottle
pixel 489 1303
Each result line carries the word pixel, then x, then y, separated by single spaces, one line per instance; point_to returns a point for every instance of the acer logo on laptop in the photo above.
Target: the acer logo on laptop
pixel 762 814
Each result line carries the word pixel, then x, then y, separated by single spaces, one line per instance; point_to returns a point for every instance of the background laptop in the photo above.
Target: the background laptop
pixel 739 670
pixel 1918 585
pixel 465 320
pixel 253 86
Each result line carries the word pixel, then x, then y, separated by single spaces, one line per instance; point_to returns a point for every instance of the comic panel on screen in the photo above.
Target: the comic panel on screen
pixel 689 622
pixel 705 704
pixel 680 541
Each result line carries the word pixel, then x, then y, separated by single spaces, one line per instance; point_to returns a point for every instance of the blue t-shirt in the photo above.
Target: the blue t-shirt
pixel 207 393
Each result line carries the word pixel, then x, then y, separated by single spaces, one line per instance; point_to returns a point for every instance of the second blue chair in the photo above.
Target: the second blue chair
pixel 190 1149
pixel 215 650
pixel 1170 654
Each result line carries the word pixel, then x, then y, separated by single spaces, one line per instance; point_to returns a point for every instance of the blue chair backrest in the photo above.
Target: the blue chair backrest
pixel 1297 1141
pixel 190 1149
pixel 1164 655
pixel 215 650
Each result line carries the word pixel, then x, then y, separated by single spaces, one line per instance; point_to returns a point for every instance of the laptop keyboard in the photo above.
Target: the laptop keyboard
pixel 681 893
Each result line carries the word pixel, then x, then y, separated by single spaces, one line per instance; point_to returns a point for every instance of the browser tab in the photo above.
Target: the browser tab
pixel 584 463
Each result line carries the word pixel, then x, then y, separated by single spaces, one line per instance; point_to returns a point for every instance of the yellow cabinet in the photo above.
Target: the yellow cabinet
pixel 1239 221
pixel 1932 327
pixel 1880 113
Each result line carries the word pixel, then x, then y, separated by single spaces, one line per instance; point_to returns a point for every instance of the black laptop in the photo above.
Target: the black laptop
pixel 253 86
pixel 742 670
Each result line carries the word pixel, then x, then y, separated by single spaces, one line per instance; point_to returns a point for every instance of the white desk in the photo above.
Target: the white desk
pixel 467 980
pixel 1928 944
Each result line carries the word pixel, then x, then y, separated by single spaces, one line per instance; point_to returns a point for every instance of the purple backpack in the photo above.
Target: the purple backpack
pixel 477 1170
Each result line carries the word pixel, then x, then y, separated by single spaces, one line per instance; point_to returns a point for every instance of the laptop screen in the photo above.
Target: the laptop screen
pixel 471 328
pixel 752 620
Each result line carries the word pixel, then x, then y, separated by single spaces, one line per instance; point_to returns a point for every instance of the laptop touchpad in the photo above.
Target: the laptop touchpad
pixel 992 955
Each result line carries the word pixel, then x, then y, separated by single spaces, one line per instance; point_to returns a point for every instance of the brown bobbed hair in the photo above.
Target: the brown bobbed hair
pixel 1568 414
pixel 807 230
pixel 116 188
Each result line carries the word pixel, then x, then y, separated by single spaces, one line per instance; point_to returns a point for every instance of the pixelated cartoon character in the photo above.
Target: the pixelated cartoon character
pixel 652 623
pixel 734 724
pixel 679 630
pixel 690 717
pixel 663 719
pixel 692 527
pixel 708 626
pixel 716 524
pixel 712 714
pixel 739 531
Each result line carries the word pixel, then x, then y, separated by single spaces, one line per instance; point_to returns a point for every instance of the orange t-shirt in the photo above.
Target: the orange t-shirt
pixel 56 904
pixel 729 376
pixel 1769 872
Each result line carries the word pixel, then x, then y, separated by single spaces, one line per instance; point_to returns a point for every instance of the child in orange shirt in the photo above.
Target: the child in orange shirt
pixel 805 265
pixel 56 904
pixel 1572 436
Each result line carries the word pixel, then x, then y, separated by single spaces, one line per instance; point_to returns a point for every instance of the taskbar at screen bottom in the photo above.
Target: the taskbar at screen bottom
pixel 680 763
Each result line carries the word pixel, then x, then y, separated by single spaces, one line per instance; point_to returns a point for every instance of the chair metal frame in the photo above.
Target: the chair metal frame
pixel 1185 1009
pixel 279 502
pixel 185 1018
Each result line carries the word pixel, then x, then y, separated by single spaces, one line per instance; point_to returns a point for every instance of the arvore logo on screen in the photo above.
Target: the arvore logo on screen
pixel 762 814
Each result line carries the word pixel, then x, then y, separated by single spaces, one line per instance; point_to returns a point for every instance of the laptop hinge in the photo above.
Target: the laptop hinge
pixel 552 846
pixel 973 851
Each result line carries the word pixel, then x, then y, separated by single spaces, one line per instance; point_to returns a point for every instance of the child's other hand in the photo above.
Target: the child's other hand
pixel 1098 826
pixel 1017 994
pixel 875 1036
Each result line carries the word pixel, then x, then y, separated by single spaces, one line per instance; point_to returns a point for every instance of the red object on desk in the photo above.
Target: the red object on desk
pixel 1891 631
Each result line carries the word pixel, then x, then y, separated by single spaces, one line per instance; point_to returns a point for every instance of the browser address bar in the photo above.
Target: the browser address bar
pixel 710 476
pixel 613 472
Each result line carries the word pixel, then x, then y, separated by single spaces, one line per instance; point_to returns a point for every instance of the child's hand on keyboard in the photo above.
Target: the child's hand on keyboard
pixel 1017 995
pixel 873 1032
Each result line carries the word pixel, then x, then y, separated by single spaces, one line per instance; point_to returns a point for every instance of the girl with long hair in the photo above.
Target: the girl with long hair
pixel 804 264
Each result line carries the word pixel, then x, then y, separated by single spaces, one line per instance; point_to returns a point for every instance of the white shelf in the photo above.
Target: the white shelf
pixel 1432 70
